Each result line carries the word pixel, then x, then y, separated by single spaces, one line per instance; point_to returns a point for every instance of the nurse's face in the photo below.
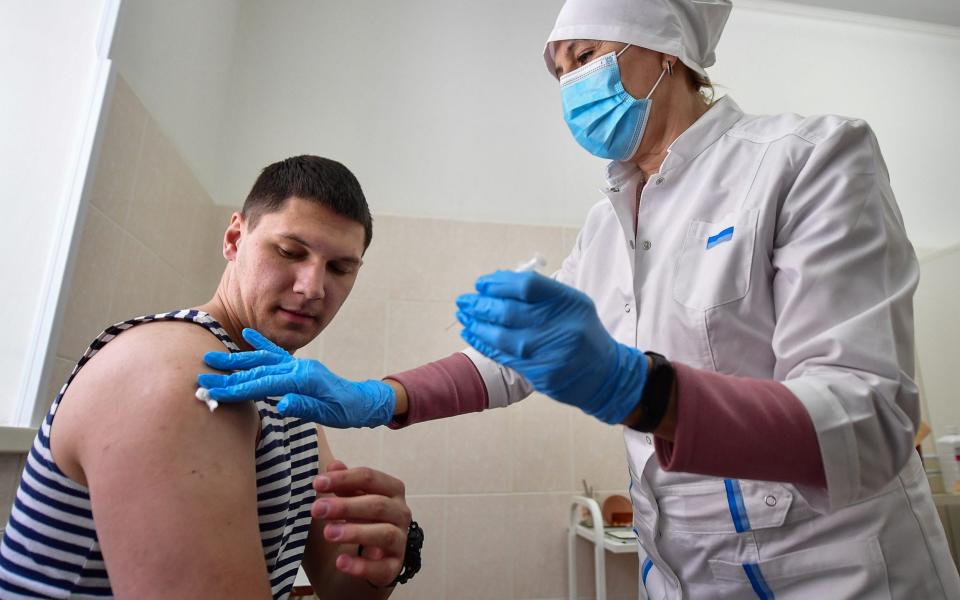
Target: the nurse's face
pixel 639 67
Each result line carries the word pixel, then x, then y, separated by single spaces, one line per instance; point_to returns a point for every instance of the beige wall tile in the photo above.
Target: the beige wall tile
pixel 10 467
pixel 599 454
pixel 381 260
pixel 478 536
pixel 418 456
pixel 354 342
pixel 134 293
pixel 428 264
pixel 430 582
pixel 417 333
pixel 539 545
pixel 153 190
pixel 542 445
pixel 117 162
pixel 92 284
pixel 569 238
pixel 356 447
pixel 480 453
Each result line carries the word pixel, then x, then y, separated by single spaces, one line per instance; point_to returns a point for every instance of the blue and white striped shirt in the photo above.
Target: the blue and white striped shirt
pixel 50 546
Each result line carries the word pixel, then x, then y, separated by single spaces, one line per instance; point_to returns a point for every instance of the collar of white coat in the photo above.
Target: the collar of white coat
pixel 705 131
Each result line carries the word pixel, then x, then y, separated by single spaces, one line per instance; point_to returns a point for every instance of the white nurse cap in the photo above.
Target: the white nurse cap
pixel 687 29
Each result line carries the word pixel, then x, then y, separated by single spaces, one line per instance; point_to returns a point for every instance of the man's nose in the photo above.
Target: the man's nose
pixel 310 281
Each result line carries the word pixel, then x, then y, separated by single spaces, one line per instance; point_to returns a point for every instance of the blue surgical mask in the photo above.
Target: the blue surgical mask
pixel 604 119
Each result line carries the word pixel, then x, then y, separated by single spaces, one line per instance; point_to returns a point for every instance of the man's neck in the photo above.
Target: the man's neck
pixel 219 308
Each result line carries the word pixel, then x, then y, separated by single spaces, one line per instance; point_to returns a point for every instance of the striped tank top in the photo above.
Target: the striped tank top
pixel 50 547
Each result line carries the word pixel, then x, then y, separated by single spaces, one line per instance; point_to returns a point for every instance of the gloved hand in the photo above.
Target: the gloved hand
pixel 550 333
pixel 310 390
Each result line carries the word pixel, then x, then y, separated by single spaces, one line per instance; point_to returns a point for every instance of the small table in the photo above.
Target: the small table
pixel 601 543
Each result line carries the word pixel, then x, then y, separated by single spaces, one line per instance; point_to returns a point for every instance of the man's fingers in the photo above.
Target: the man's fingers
pixel 390 538
pixel 350 481
pixel 378 572
pixel 336 465
pixel 368 508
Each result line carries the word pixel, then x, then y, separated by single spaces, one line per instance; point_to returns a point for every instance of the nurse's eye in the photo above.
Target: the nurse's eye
pixel 584 57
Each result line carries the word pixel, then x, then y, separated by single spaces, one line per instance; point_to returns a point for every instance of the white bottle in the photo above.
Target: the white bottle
pixel 948 449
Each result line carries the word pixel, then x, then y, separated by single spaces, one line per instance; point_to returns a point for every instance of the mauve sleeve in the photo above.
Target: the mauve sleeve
pixel 741 428
pixel 444 388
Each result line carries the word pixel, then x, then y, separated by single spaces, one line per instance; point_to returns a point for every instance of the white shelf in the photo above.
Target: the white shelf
pixel 611 544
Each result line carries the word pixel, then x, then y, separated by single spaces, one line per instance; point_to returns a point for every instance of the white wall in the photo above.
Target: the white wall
pixel 178 56
pixel 444 108
pixel 51 77
pixel 938 334
pixel 898 75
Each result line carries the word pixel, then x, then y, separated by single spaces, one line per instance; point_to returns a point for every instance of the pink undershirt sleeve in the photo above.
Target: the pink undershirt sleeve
pixel 726 426
pixel 444 388
pixel 743 428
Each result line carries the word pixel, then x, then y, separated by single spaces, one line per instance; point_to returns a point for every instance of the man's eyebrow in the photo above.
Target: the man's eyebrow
pixel 302 242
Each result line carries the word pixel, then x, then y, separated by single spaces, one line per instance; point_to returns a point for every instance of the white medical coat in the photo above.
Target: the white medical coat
pixel 813 289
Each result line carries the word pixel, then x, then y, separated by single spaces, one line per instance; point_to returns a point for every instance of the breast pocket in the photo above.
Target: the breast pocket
pixel 715 262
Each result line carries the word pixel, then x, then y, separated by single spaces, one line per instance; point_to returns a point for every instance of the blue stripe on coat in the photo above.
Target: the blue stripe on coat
pixel 738 511
pixel 757 581
pixel 645 570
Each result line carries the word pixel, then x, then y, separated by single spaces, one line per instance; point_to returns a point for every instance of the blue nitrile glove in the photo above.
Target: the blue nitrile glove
pixel 309 389
pixel 550 333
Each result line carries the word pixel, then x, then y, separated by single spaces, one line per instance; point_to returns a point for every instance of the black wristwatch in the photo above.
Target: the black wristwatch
pixel 656 394
pixel 411 555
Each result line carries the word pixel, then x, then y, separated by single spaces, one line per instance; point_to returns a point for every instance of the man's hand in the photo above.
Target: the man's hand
pixel 310 391
pixel 367 507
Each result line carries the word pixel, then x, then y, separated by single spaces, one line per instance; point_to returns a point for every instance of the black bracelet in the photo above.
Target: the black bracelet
pixel 656 394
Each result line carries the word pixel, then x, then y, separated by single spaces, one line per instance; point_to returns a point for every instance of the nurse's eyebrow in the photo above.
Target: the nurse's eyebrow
pixel 570 50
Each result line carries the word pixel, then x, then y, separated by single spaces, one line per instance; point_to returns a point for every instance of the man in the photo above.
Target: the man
pixel 140 491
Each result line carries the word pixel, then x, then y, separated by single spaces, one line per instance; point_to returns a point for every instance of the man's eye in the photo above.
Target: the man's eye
pixel 285 253
pixel 584 57
pixel 340 270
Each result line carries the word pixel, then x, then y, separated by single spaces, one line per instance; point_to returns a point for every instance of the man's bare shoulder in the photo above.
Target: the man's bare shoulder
pixel 139 384
pixel 172 486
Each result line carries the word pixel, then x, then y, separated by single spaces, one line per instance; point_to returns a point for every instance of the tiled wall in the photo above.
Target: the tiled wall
pixel 150 242
pixel 492 490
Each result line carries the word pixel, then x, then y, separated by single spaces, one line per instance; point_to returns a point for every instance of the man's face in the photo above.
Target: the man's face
pixel 291 273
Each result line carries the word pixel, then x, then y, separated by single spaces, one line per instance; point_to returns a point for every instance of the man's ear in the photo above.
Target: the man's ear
pixel 231 237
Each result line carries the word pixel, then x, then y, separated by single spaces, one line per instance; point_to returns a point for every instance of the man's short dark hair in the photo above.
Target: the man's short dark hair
pixel 312 178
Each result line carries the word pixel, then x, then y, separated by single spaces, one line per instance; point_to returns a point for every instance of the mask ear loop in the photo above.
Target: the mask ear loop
pixel 659 79
pixel 670 68
pixel 622 50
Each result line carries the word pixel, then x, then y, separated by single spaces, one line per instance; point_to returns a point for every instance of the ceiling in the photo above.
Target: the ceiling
pixel 940 12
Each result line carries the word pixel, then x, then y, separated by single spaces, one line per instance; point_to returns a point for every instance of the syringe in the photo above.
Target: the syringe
pixel 535 263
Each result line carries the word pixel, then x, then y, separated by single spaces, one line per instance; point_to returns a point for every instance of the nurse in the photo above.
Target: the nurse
pixel 740 302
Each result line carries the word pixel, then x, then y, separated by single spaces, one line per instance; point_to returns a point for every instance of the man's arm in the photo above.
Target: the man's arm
pixel 172 485
pixel 352 578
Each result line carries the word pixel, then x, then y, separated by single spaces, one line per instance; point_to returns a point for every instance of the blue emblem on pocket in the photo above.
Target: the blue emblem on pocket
pixel 724 236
